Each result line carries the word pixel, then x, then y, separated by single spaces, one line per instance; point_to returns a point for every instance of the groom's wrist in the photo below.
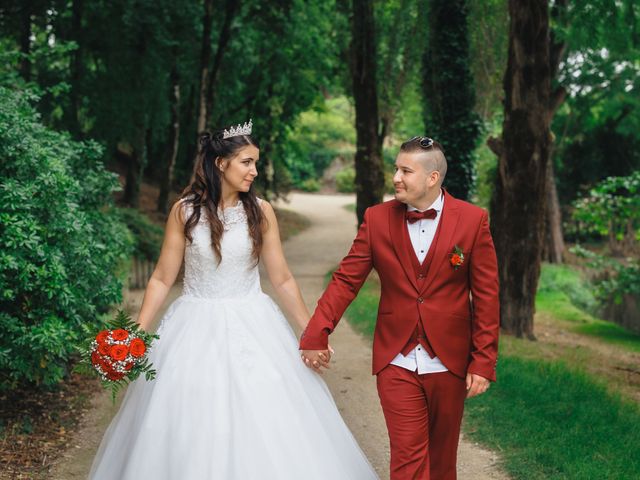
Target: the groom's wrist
pixel 487 372
pixel 318 341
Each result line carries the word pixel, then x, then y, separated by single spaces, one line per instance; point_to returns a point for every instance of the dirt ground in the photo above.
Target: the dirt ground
pixel 615 366
pixel 311 254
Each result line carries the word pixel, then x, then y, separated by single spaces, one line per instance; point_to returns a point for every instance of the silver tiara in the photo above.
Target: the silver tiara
pixel 239 130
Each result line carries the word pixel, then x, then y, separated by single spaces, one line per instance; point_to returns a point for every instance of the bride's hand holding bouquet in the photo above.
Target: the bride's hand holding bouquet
pixel 119 353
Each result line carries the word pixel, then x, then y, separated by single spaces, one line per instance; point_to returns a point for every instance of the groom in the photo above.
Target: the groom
pixel 436 336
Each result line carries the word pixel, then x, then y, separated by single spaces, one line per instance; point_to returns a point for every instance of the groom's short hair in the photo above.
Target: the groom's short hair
pixel 433 158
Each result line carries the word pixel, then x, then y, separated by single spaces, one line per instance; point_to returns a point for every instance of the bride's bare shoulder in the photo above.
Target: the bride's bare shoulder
pixel 180 211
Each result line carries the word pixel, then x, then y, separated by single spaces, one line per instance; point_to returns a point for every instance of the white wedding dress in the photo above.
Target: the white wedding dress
pixel 231 399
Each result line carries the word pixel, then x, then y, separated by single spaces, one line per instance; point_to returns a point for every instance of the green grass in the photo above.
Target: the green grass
pixel 567 281
pixel 564 295
pixel 363 310
pixel 560 307
pixel 553 422
pixel 611 333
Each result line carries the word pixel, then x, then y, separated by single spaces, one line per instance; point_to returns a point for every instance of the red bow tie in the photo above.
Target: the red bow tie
pixel 413 216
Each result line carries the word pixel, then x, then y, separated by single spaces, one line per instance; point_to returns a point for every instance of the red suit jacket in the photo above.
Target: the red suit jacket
pixel 459 308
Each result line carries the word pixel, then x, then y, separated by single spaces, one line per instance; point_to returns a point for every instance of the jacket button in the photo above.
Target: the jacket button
pixel 420 299
pixel 421 276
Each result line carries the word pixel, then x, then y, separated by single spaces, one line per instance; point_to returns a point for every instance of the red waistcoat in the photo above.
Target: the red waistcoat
pixel 420 270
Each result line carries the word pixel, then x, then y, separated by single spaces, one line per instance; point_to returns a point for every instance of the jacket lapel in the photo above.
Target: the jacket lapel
pixel 449 221
pixel 396 223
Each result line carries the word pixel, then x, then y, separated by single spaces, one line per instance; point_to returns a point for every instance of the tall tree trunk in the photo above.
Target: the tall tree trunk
pixel 186 160
pixel 232 7
pixel 205 60
pixel 449 93
pixel 520 198
pixel 174 140
pixel 554 241
pixel 267 169
pixel 135 168
pixel 77 66
pixel 369 164
pixel 25 40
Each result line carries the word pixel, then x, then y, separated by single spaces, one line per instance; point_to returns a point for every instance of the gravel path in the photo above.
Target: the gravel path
pixel 310 255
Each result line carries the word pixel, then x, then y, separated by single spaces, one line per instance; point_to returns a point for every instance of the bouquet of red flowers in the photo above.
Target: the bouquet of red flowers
pixel 119 354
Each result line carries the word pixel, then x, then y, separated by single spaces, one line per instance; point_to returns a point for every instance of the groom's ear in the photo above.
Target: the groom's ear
pixel 434 163
pixel 434 178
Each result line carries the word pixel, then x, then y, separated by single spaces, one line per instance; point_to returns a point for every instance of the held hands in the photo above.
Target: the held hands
pixel 476 385
pixel 316 359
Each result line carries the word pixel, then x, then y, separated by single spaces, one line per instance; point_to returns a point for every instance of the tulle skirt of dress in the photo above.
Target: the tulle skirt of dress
pixel 231 401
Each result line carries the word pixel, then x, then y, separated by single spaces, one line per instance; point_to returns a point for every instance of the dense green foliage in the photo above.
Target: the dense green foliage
pixel 60 244
pixel 147 236
pixel 318 137
pixel 117 87
pixel 611 210
pixel 564 281
pixel 596 127
pixel 346 180
pixel 276 69
pixel 616 281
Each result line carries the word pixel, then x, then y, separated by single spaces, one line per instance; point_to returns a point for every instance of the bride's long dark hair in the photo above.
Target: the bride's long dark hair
pixel 204 191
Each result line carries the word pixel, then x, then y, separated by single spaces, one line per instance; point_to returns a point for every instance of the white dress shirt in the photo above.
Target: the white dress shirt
pixel 422 233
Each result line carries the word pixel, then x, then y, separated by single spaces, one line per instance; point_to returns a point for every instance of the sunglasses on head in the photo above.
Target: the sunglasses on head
pixel 425 142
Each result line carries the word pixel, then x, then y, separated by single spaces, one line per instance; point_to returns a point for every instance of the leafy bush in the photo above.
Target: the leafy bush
pixel 612 210
pixel 147 236
pixel 319 136
pixel 568 281
pixel 61 244
pixel 346 180
pixel 615 278
pixel 310 185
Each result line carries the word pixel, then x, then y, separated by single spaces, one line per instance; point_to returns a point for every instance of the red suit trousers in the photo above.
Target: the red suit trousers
pixel 423 415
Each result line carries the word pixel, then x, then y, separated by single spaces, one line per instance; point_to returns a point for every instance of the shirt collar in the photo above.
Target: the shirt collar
pixel 436 205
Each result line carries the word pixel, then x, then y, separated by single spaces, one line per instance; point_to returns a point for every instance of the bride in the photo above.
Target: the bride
pixel 231 399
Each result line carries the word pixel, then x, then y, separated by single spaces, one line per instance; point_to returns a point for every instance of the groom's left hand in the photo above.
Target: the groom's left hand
pixel 476 385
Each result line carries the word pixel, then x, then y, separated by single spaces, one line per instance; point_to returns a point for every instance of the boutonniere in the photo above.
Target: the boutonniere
pixel 456 258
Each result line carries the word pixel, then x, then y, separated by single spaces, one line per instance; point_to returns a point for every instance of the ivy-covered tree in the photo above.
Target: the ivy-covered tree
pixel 449 94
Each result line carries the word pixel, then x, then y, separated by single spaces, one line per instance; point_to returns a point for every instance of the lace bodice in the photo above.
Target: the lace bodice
pixel 236 275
